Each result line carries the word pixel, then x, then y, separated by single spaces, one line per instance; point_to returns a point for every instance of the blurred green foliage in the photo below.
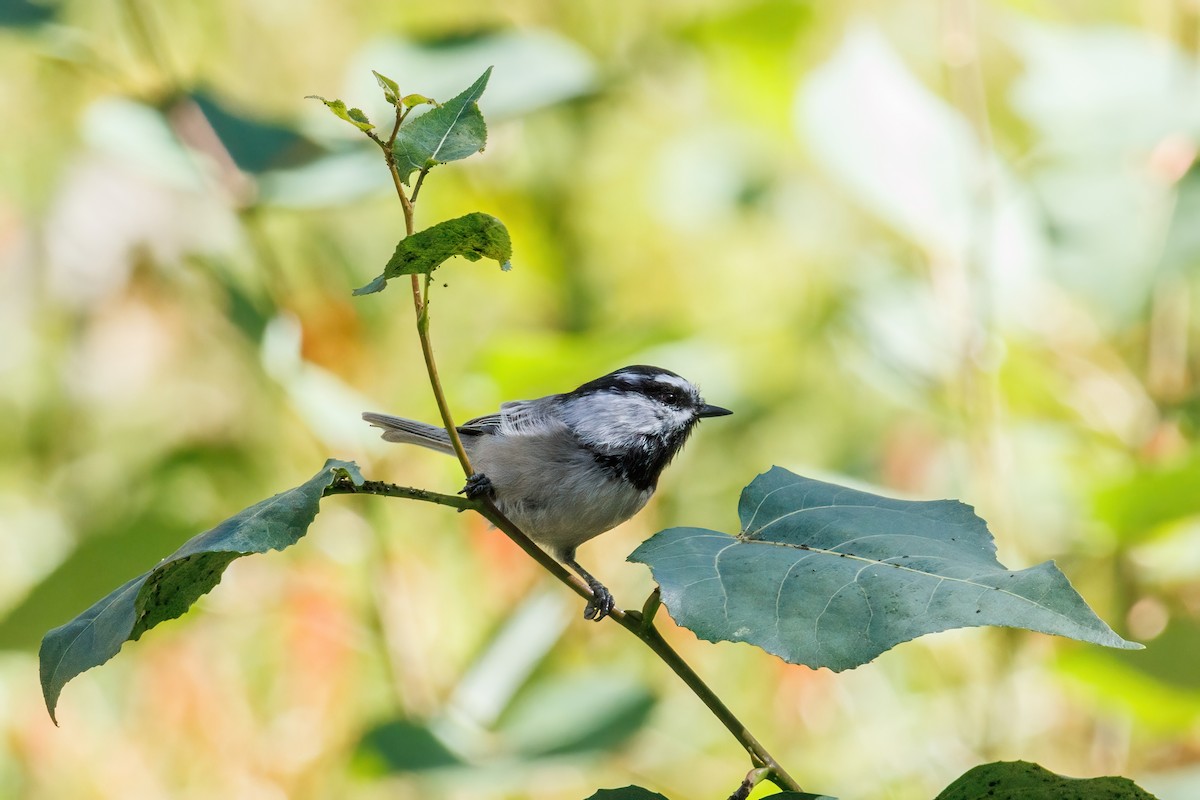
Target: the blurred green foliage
pixel 947 249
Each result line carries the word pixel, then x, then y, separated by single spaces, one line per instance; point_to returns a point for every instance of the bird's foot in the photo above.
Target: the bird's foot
pixel 601 604
pixel 479 486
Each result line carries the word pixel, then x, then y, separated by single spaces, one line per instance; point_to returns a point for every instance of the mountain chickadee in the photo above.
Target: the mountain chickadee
pixel 568 467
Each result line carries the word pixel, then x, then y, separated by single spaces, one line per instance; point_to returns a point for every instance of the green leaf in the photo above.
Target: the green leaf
pixel 831 577
pixel 474 236
pixel 391 89
pixel 354 116
pixel 411 100
pixel 168 590
pixel 1021 780
pixel 449 132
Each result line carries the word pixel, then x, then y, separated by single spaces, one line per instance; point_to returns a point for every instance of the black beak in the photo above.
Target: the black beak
pixel 712 411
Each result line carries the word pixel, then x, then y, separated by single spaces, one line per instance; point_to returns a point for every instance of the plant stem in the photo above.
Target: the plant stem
pixel 421 307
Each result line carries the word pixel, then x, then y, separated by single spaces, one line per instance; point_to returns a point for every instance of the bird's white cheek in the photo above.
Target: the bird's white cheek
pixel 622 421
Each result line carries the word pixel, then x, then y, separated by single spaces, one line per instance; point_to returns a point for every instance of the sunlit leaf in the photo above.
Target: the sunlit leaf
pixel 411 100
pixel 474 236
pixel 168 590
pixel 1021 780
pixel 391 89
pixel 449 132
pixel 831 577
pixel 354 116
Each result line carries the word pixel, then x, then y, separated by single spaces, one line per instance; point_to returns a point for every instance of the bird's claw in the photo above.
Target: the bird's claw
pixel 478 487
pixel 601 604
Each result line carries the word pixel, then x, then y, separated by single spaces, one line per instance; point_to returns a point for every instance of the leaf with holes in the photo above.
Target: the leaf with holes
pixel 472 236
pixel 449 132
pixel 831 577
pixel 1021 780
pixel 168 590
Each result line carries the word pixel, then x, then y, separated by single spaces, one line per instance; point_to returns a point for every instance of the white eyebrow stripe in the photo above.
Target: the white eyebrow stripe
pixel 674 380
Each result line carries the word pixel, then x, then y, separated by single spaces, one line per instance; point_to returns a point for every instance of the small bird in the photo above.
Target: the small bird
pixel 568 467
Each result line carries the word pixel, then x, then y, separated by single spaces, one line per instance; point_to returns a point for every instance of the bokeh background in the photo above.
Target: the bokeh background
pixel 941 249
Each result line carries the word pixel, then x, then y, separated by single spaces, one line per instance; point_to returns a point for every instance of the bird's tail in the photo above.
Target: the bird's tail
pixel 409 431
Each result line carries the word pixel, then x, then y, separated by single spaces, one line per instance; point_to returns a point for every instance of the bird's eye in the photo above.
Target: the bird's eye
pixel 674 396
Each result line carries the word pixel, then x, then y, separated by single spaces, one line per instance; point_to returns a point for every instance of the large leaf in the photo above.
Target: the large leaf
pixel 474 236
pixel 831 577
pixel 1021 780
pixel 449 132
pixel 168 590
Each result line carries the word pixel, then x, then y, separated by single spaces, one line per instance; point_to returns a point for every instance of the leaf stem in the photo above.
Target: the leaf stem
pixel 753 778
pixel 417 185
pixel 650 607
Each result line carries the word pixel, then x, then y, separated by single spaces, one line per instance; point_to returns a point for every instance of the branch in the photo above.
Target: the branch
pixel 344 485
pixel 640 626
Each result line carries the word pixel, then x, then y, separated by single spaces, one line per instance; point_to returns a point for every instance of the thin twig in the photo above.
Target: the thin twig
pixel 346 486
